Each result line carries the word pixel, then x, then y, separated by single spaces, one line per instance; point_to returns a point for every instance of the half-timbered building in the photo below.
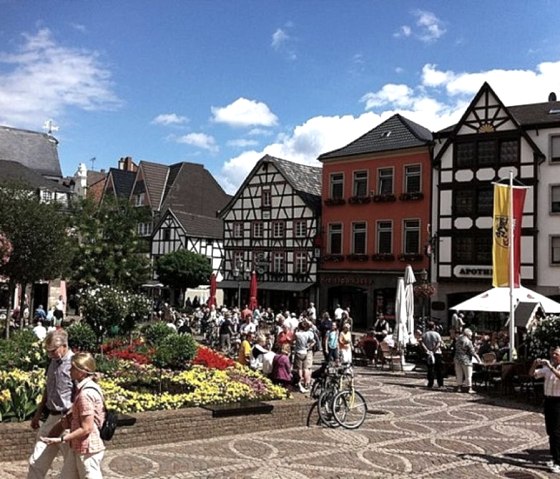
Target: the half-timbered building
pixel 375 217
pixel 487 143
pixel 270 227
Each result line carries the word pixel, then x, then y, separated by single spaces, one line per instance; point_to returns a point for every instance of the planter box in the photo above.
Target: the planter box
pixel 359 200
pixel 411 196
pixel 384 198
pixel 383 257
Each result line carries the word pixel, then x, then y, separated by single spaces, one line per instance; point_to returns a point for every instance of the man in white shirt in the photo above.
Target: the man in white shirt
pixel 312 312
pixel 338 313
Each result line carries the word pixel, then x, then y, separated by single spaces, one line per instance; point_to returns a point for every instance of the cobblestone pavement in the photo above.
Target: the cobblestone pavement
pixel 411 432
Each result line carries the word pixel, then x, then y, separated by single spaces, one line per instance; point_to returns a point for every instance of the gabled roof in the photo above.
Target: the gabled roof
pixel 396 133
pixel 122 182
pixel 155 178
pixel 304 179
pixel 95 176
pixel 37 151
pixel 15 172
pixel 196 226
pixel 500 115
pixel 191 188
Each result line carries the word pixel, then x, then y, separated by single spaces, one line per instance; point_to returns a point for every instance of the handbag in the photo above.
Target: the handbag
pixel 431 358
pixel 109 426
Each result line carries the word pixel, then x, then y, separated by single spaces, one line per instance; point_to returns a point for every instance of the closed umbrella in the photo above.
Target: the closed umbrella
pixel 409 281
pixel 253 291
pixel 400 315
pixel 213 288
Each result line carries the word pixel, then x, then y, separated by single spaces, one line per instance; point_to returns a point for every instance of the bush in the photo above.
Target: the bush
pixel 543 336
pixel 175 351
pixel 81 337
pixel 22 351
pixel 156 332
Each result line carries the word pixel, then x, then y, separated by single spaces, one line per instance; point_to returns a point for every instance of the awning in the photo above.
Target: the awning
pixel 267 285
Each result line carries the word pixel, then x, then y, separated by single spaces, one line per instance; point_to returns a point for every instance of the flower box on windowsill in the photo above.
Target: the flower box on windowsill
pixel 334 258
pixel 357 257
pixel 383 257
pixel 410 257
pixel 411 196
pixel 359 200
pixel 335 201
pixel 384 198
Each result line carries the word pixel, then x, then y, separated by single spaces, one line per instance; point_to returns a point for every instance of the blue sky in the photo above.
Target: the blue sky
pixel 224 82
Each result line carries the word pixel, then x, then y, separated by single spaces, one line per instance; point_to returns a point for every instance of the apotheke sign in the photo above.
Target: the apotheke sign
pixel 472 271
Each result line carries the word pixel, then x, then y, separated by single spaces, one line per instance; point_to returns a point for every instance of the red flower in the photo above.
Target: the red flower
pixel 212 359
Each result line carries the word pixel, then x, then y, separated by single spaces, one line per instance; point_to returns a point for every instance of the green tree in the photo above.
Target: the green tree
pixel 109 250
pixel 183 269
pixel 38 234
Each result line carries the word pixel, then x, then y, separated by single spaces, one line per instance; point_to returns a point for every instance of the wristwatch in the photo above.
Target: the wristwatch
pixel 62 436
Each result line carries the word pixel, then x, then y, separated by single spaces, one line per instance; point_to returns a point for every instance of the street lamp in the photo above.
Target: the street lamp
pixel 238 273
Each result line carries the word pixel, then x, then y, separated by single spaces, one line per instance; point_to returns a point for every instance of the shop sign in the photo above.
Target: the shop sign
pixel 472 271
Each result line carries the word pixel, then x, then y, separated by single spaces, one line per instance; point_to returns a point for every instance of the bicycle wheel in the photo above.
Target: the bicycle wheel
pixel 349 409
pixel 324 406
pixel 316 389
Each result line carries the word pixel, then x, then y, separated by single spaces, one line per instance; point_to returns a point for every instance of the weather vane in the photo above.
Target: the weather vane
pixel 50 126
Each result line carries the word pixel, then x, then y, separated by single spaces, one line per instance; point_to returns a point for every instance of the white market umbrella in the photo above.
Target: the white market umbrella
pixel 401 331
pixel 409 280
pixel 497 300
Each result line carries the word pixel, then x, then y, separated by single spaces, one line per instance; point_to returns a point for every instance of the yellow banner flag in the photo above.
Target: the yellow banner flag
pixel 501 248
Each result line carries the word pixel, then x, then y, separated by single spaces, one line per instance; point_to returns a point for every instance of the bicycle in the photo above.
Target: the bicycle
pixel 331 384
pixel 349 407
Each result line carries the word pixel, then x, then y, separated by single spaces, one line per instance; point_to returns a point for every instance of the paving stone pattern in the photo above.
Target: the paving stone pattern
pixel 410 432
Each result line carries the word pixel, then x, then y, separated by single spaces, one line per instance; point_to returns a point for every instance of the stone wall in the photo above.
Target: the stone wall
pixel 160 427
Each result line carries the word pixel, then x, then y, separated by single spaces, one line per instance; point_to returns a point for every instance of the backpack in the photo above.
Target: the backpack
pixel 109 426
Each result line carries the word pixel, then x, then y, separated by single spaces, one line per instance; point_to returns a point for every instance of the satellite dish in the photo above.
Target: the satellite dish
pixel 552 96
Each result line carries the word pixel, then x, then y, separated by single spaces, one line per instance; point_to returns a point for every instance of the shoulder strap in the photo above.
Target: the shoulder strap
pixel 96 389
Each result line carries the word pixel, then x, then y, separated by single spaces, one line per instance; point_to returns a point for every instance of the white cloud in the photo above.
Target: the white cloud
pixel 283 42
pixel 242 143
pixel 429 27
pixel 167 119
pixel 44 79
pixel 245 113
pixel 279 38
pixel 390 94
pixel 436 102
pixel 200 140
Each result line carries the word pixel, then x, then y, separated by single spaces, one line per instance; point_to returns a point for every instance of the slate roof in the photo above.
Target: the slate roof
pixel 15 172
pixel 395 133
pixel 123 181
pixel 155 177
pixel 198 226
pixel 37 151
pixel 95 176
pixel 191 188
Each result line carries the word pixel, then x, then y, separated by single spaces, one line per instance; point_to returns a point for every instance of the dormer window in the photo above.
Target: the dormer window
pixel 139 199
pixel 386 134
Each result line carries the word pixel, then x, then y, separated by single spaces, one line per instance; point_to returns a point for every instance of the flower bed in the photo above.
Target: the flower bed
pixel 132 384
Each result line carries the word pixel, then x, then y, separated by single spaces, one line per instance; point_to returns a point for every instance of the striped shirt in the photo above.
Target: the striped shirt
pixel 88 402
pixel 551 381
pixel 59 384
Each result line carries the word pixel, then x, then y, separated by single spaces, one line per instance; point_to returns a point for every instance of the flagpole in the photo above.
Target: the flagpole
pixel 511 271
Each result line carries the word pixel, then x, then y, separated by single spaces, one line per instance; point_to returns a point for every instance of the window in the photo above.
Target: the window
pixel 300 262
pixel 473 248
pixel 555 149
pixel 237 264
pixel 166 234
pixel 46 196
pixel 144 229
pixel 278 262
pixel 555 199
pixel 258 229
pixel 411 237
pixel 300 228
pixel 359 238
pixel 385 182
pixel 335 238
pixel 486 153
pixel 337 186
pixel 238 229
pixel 278 228
pixel 384 237
pixel 555 250
pixel 412 179
pixel 266 199
pixel 139 199
pixel 360 187
pixel 473 201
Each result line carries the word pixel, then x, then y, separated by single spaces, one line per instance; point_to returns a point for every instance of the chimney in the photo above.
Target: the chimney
pixel 552 96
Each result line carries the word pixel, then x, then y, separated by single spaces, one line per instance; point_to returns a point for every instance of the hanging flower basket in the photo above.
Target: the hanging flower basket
pixel 425 290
